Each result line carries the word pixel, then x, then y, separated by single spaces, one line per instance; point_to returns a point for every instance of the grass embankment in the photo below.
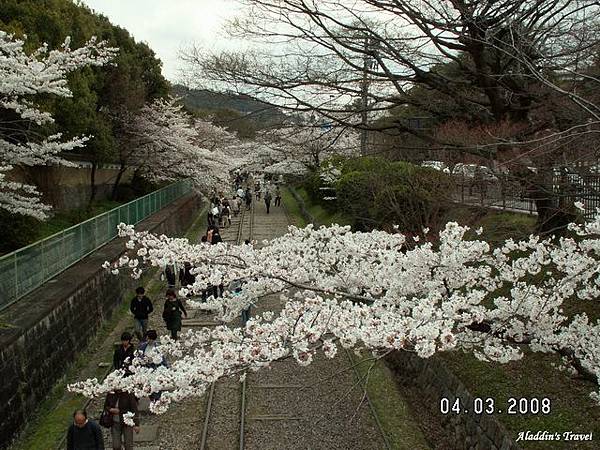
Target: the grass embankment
pixel 497 225
pixel 293 208
pixel 63 220
pixel 45 430
pixel 21 231
pixel 391 408
pixel 320 214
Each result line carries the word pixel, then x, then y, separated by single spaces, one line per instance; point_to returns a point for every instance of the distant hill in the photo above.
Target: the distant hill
pixel 254 111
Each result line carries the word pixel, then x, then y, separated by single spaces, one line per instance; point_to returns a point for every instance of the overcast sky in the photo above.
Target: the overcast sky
pixel 168 25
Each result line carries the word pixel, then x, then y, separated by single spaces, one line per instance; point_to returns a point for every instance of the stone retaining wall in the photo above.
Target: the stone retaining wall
pixel 435 381
pixel 44 332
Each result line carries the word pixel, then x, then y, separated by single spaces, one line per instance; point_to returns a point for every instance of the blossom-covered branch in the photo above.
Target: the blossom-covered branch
pixel 369 290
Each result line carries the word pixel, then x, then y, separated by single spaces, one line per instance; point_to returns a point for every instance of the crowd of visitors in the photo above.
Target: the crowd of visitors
pixel 86 434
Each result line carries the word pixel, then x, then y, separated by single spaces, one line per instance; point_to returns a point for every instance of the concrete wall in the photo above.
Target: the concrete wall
pixel 68 188
pixel 466 431
pixel 43 333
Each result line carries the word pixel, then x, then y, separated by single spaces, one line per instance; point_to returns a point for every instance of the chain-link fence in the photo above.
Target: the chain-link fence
pixel 26 269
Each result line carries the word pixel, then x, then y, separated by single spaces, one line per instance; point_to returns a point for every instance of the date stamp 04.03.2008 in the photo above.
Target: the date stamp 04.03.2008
pixel 489 406
pixel 512 406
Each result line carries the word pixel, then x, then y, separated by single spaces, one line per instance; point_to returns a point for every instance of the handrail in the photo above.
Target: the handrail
pixel 29 267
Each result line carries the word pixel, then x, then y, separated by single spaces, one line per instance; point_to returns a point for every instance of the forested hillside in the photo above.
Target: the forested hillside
pixel 236 112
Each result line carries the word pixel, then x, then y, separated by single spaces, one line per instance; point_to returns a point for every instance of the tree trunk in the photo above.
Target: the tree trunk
pixel 94 189
pixel 553 215
pixel 122 170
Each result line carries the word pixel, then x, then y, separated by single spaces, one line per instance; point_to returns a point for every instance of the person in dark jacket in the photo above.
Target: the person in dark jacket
pixel 248 198
pixel 268 201
pixel 118 403
pixel 170 276
pixel 185 276
pixel 277 196
pixel 172 313
pixel 84 434
pixel 216 236
pixel 141 307
pixel 124 353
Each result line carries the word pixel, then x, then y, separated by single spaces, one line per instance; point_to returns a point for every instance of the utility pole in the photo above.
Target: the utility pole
pixel 368 64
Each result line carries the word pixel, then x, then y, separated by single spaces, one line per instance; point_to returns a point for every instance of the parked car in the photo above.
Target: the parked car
pixel 473 171
pixel 437 165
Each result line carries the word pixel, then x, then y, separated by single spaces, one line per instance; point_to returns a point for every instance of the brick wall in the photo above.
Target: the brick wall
pixel 43 333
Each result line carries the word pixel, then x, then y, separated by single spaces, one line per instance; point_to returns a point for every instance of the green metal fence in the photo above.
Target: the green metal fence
pixel 28 268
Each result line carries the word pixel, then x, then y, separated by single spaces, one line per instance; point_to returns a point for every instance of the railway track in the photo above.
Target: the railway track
pixel 246 223
pixel 228 420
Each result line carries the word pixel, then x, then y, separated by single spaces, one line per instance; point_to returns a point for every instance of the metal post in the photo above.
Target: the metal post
pixel 16 276
pixel 64 249
pixel 364 100
pixel 43 260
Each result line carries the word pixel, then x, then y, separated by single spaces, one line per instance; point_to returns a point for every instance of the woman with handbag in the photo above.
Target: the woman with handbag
pixel 172 313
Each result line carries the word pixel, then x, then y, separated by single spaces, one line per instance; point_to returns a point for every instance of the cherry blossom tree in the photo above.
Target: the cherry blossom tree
pixel 325 56
pixel 168 144
pixel 24 76
pixel 529 64
pixel 372 290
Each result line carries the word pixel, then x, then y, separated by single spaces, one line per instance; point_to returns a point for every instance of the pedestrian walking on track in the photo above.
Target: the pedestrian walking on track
pixel 172 313
pixel 117 404
pixel 277 196
pixel 124 353
pixel 268 201
pixel 248 198
pixel 140 307
pixel 84 434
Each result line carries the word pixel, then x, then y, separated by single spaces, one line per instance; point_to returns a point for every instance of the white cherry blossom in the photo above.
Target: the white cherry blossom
pixel 367 290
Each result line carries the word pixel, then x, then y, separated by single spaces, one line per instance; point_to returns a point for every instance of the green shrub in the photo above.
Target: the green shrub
pixel 379 193
pixel 17 231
